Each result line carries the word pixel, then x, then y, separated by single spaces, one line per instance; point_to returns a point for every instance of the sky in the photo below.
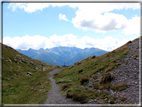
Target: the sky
pixel 84 25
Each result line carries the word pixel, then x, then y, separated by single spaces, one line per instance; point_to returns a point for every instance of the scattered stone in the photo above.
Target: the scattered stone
pixel 29 73
pixel 36 68
pixel 32 88
pixel 43 68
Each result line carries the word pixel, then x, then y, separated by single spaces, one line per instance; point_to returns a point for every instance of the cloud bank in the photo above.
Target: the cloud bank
pixel 70 40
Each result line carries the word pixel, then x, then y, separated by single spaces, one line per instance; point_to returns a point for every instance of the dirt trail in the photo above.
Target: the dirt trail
pixel 54 96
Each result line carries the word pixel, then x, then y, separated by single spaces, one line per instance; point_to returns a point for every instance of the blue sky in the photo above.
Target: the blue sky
pixel 36 25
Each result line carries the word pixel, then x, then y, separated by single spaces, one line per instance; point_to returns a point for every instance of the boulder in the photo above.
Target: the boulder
pixel 29 73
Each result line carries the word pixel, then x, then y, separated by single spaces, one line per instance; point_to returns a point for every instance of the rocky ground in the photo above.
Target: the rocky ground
pixel 127 72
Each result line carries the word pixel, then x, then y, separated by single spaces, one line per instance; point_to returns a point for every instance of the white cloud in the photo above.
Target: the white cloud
pixel 37 42
pixel 108 43
pixel 92 16
pixel 133 26
pixel 99 23
pixel 86 7
pixel 28 7
pixel 32 7
pixel 62 17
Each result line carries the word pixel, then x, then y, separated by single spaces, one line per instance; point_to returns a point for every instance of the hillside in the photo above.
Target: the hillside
pixel 23 79
pixel 112 78
pixel 57 54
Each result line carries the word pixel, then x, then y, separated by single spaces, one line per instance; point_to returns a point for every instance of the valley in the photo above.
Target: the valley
pixel 111 78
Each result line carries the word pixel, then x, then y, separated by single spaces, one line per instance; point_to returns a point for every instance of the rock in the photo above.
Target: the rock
pixel 32 63
pixel 29 73
pixel 44 68
pixel 36 68
pixel 95 100
pixel 1 57
pixel 24 61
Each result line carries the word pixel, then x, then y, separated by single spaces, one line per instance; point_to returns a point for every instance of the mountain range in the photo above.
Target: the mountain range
pixel 56 55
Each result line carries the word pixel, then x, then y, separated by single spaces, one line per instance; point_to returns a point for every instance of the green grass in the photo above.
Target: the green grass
pixel 89 68
pixel 17 86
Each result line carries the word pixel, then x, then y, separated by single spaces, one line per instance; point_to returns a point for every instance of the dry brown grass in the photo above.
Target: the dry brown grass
pixel 93 57
pixel 94 76
pixel 83 80
pixel 120 87
pixel 123 98
pixel 106 78
pixel 65 85
pixel 77 63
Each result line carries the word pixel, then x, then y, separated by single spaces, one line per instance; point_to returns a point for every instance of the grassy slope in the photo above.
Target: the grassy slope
pixel 69 78
pixel 18 87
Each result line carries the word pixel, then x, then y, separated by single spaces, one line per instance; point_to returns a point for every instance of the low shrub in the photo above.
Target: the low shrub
pixel 80 70
pixel 106 78
pixel 83 80
pixel 106 86
pixel 93 57
pixel 69 95
pixel 120 87
pixel 112 102
pixel 80 96
pixel 96 86
pixel 135 57
pixel 56 74
pixel 77 63
pixel 103 94
pixel 123 98
pixel 114 51
pixel 129 42
pixel 65 85
pixel 57 66
pixel 94 76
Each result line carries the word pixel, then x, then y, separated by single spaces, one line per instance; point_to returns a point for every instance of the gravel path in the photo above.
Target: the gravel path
pixel 54 96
